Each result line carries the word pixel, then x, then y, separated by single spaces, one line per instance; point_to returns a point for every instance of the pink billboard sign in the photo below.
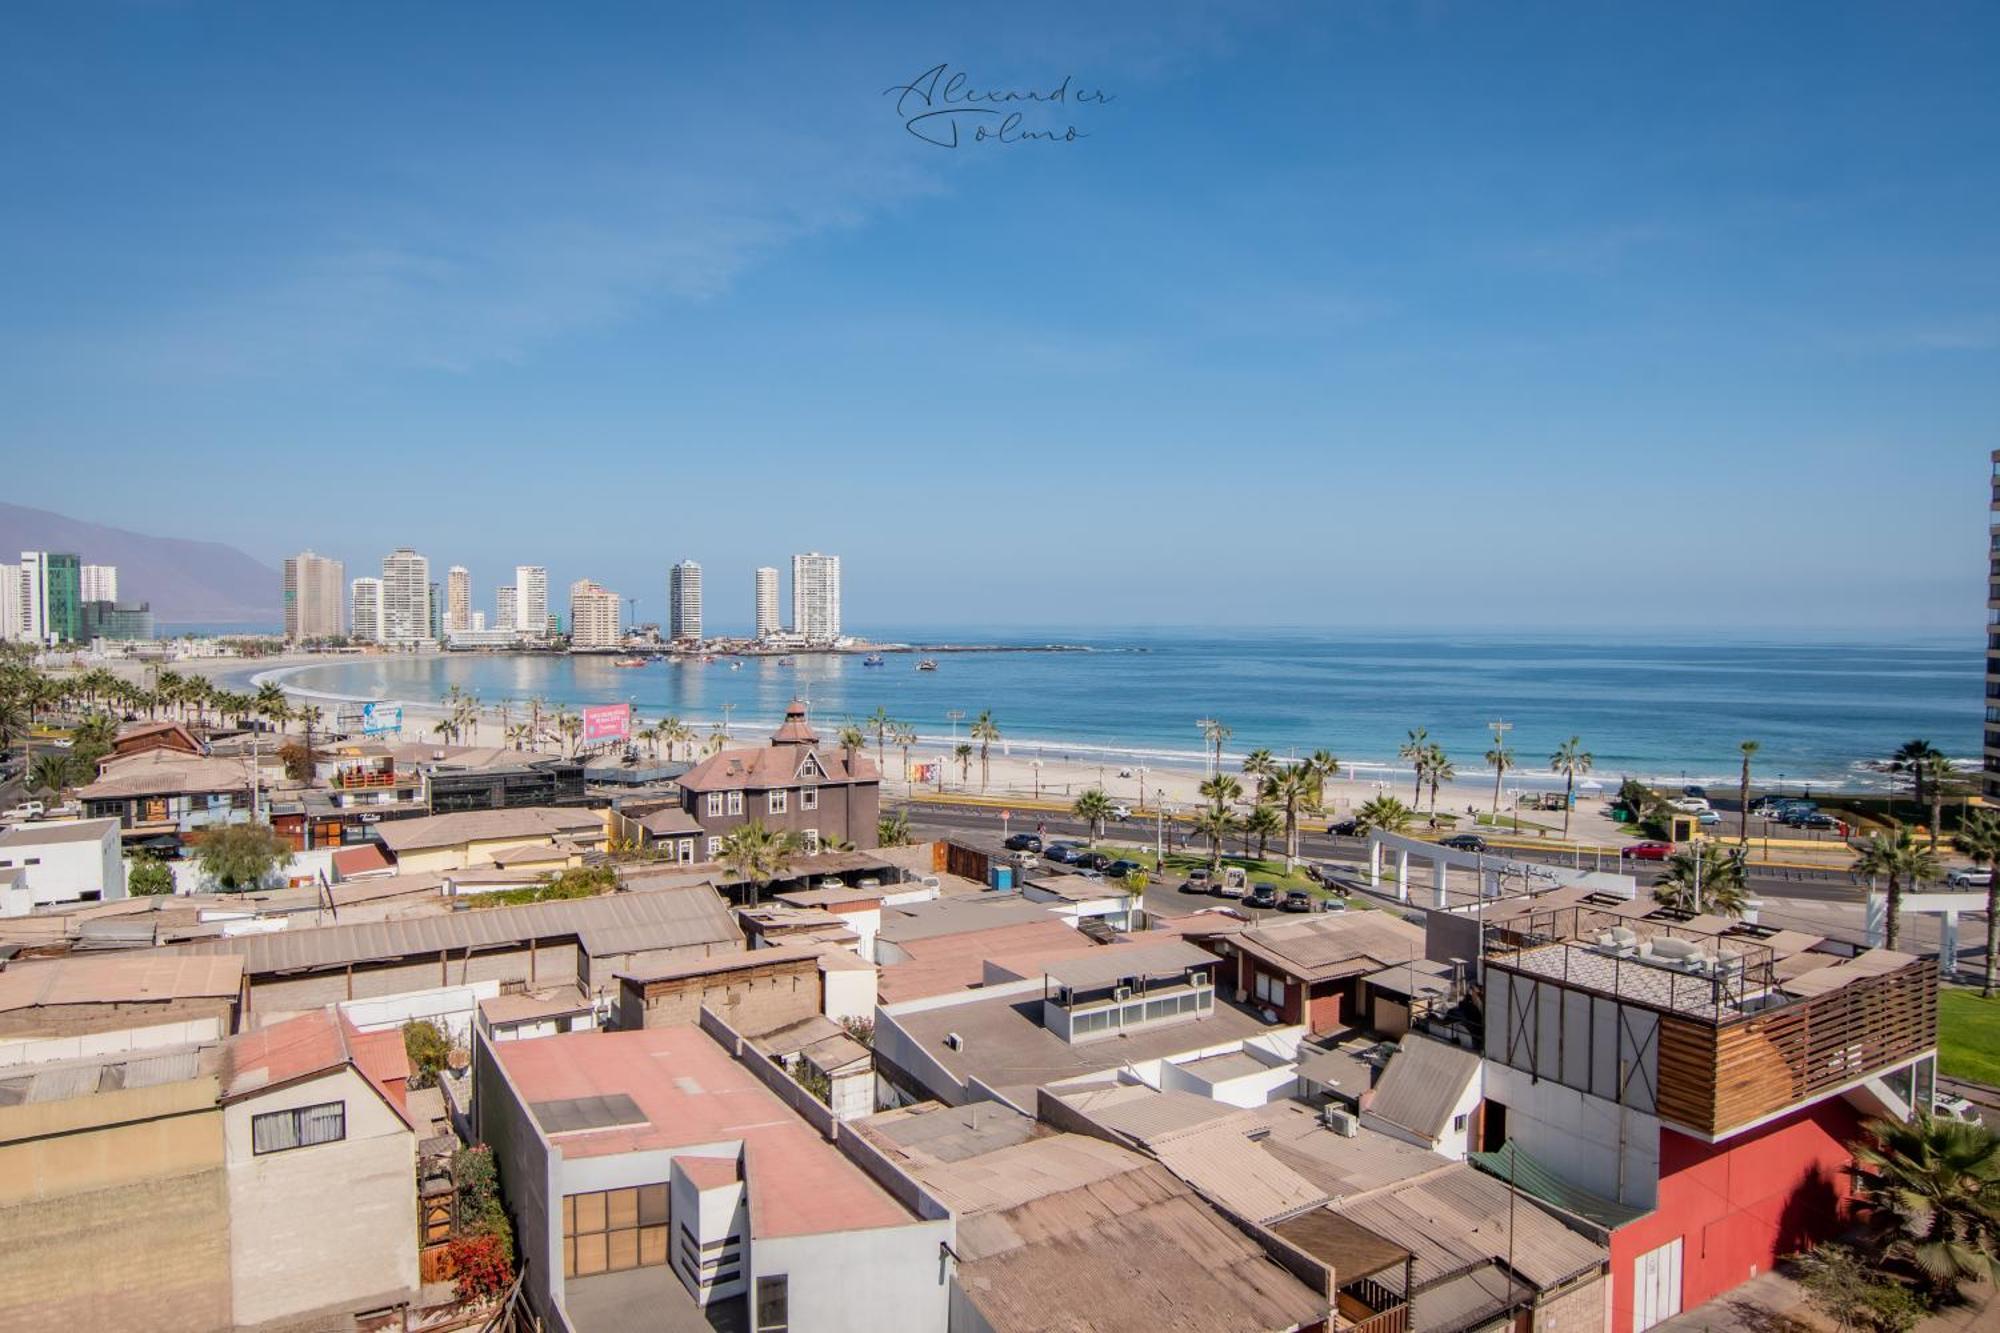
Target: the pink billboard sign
pixel 607 722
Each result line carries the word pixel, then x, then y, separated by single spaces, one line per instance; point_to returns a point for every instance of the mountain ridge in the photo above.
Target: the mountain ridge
pixel 188 581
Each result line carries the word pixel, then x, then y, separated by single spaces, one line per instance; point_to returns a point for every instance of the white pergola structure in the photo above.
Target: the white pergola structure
pixel 1494 875
pixel 1946 907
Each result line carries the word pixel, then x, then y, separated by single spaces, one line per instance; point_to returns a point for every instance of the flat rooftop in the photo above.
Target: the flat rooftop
pixel 1003 1042
pixel 41 835
pixel 690 1094
pixel 957 916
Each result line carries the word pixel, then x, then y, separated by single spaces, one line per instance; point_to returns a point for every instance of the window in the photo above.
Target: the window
pixel 778 802
pixel 735 802
pixel 609 1231
pixel 809 798
pixel 686 851
pixel 715 803
pixel 773 1304
pixel 714 848
pixel 811 836
pixel 301 1127
pixel 1458 1124
pixel 1270 989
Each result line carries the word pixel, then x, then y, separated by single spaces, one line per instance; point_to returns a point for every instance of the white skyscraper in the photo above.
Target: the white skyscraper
pixel 531 599
pixel 767 602
pixel 10 605
pixel 313 588
pixel 684 601
pixel 366 599
pixel 505 615
pixel 816 597
pixel 457 600
pixel 406 596
pixel 593 616
pixel 100 583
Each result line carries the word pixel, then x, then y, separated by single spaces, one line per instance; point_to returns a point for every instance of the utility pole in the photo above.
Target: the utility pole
pixel 1500 730
pixel 955 716
pixel 1203 724
pixel 725 719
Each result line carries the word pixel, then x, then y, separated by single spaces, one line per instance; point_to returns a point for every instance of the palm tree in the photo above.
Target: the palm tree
pixel 1417 751
pixel 985 731
pixel 904 736
pixel 893 830
pixel 1093 807
pixel 1749 750
pixel 1221 790
pixel 1937 769
pixel 1896 856
pixel 1571 760
pixel 1440 771
pixel 880 723
pixel 963 753
pixel 650 734
pixel 1385 813
pixel 54 772
pixel 676 732
pixel 850 739
pixel 1931 1190
pixel 1979 838
pixel 1915 758
pixel 1263 823
pixel 1216 824
pixel 1502 759
pixel 271 702
pixel 1295 789
pixel 1215 733
pixel 1259 763
pixel 312 717
pixel 569 726
pixel 1704 878
pixel 757 855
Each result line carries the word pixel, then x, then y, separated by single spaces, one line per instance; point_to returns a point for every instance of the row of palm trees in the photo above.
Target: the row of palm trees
pixel 887 731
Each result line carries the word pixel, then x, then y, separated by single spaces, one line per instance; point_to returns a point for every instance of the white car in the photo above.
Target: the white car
pixel 1970 877
pixel 1120 812
pixel 1947 1107
pixel 25 810
pixel 1689 805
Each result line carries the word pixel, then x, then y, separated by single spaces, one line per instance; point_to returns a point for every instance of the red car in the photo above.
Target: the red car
pixel 1649 851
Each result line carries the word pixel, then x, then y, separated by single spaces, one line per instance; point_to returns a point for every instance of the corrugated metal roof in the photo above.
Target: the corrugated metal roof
pixel 1106 965
pixel 1143 1113
pixel 1321 947
pixel 1223 1163
pixel 1459 1217
pixel 147 978
pixel 1424 1080
pixel 613 924
pixel 1510 1163
pixel 527 823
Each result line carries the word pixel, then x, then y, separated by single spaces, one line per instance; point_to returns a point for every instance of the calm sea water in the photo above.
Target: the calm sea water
pixel 1651 707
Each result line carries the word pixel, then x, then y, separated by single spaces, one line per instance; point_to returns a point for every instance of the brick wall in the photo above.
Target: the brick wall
pixel 1581 1309
pixel 751 999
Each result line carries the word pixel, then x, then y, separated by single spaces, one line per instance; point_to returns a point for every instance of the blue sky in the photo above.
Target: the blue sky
pixel 1340 314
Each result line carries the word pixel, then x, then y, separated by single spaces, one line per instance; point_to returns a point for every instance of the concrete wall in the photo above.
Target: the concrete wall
pixel 65 871
pixel 879 1280
pixel 850 993
pixel 328 1228
pixel 114 1210
pixel 452 1007
pixel 526 1165
pixel 1580 1135
pixel 751 999
pixel 274 996
pixel 1584 1308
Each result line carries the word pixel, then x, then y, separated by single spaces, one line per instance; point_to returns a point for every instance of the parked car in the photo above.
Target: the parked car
pixel 1947 1107
pixel 1264 896
pixel 1120 868
pixel 1970 877
pixel 1196 882
pixel 1648 851
pixel 26 810
pixel 1231 885
pixel 1023 842
pixel 1708 819
pixel 1464 842
pixel 1089 860
pixel 1121 813
pixel 1060 852
pixel 1346 828
pixel 1695 791
pixel 1814 819
pixel 1296 900
pixel 1688 805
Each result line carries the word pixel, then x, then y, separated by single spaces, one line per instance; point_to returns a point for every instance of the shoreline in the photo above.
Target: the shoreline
pixel 1064 764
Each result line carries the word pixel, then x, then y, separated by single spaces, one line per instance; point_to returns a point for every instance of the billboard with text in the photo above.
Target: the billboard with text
pixel 607 722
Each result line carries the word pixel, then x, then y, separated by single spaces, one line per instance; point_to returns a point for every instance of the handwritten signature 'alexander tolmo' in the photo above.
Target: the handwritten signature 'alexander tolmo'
pixel 936 103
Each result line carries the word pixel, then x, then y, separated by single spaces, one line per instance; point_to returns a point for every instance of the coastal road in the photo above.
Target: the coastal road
pixel 937 818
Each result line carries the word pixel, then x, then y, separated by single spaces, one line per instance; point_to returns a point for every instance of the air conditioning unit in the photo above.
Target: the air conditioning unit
pixel 1341 1121
pixel 1122 993
pixel 954 1042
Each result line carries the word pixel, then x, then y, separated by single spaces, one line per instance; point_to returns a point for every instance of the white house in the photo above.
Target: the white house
pixel 1427 1095
pixel 77 861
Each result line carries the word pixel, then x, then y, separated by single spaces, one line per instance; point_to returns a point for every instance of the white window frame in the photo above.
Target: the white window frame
pixel 809 798
pixel 715 803
pixel 685 852
pixel 811 837
pixel 775 800
pixel 1269 989
pixel 735 802
pixel 714 848
pixel 293 1127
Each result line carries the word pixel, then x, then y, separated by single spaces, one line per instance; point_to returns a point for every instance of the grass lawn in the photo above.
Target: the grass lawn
pixel 1260 872
pixel 1969 1035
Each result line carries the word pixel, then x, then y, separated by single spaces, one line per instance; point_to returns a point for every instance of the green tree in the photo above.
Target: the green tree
pixel 1749 751
pixel 1416 752
pixel 986 732
pixel 963 753
pixel 1216 824
pixel 1221 790
pixel 241 856
pixel 1093 807
pixel 1384 813
pixel 1439 770
pixel 273 705
pixel 1704 878
pixel 893 830
pixel 1914 758
pixel 881 724
pixel 1297 789
pixel 1847 1289
pixel 758 855
pixel 1931 1191
pixel 1938 770
pixel 903 737
pixel 148 877
pixel 1259 763
pixel 54 772
pixel 1502 759
pixel 1263 823
pixel 1896 857
pixel 1979 838
pixel 1215 733
pixel 1572 761
pixel 429 1047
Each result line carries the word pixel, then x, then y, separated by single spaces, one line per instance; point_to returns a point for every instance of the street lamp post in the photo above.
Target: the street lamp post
pixel 955 716
pixel 1159 829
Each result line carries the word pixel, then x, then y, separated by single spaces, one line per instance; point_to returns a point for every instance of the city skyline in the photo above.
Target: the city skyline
pixel 1387 259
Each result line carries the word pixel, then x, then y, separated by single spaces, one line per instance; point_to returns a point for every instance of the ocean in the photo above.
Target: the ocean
pixel 1665 708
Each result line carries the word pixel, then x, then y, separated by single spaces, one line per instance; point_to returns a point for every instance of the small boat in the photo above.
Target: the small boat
pixel 630 662
pixel 788 661
pixel 735 666
pixel 873 659
pixel 928 664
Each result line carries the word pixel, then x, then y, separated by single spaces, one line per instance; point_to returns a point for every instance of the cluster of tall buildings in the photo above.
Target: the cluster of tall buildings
pixel 52 597
pixel 815 602
pixel 404 606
